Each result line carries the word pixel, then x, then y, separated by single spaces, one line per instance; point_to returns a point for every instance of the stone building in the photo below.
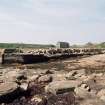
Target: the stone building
pixel 62 45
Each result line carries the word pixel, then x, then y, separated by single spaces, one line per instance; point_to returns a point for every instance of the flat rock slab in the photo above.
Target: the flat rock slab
pixel 8 92
pixel 59 87
pixel 6 88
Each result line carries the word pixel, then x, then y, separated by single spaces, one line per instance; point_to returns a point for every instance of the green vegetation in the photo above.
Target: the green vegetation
pixel 101 45
pixel 95 45
pixel 21 45
pixel 90 45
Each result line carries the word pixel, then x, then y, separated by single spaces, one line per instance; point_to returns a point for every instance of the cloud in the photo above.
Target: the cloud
pixel 48 21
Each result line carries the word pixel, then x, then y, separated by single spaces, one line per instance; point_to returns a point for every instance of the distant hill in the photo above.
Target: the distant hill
pixel 22 45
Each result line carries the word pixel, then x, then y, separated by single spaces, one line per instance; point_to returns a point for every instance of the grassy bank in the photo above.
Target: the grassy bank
pixel 21 45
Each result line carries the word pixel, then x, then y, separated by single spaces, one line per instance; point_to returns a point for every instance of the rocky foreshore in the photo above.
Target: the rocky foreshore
pixel 71 86
pixel 43 55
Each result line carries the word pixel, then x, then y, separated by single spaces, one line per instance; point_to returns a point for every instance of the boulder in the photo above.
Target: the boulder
pixel 75 74
pixel 8 92
pixel 24 86
pixel 33 78
pixel 59 87
pixel 38 100
pixel 21 77
pixel 85 86
pixel 80 73
pixel 71 74
pixel 45 78
pixel 6 88
pixel 84 91
pixel 11 76
pixel 80 92
pixel 49 72
pixel 90 78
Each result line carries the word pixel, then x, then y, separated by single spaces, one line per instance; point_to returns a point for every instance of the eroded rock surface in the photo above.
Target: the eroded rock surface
pixel 59 87
pixel 55 84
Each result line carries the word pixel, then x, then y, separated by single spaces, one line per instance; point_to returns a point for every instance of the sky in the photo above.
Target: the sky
pixel 49 21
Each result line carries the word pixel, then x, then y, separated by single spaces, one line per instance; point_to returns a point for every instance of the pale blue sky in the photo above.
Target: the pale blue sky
pixel 49 21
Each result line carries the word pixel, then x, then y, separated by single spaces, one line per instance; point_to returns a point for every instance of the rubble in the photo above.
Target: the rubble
pixel 45 78
pixel 39 100
pixel 72 75
pixel 61 86
pixel 44 55
pixel 62 99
